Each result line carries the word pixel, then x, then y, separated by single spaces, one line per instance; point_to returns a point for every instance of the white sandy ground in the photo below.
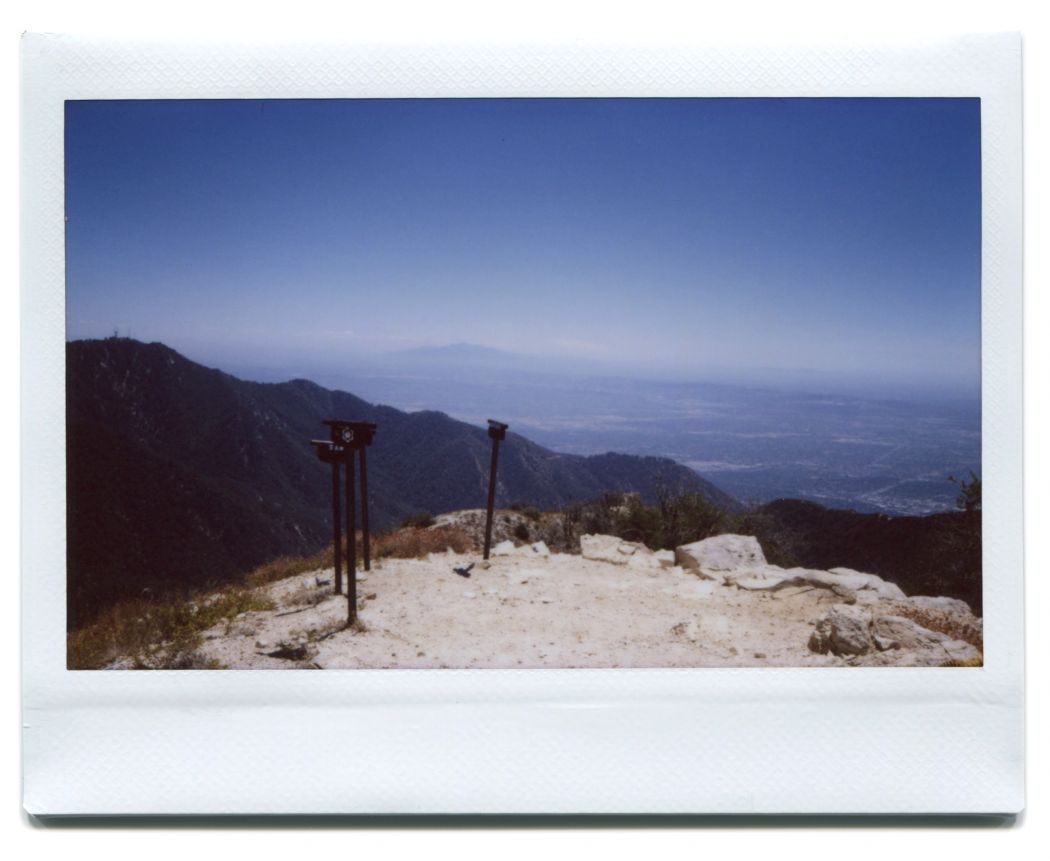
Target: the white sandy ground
pixel 525 611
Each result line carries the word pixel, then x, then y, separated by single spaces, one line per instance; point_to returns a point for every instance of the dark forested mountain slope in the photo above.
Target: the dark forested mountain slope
pixel 937 554
pixel 180 475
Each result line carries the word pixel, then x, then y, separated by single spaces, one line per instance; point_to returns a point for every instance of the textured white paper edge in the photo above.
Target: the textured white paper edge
pixel 886 740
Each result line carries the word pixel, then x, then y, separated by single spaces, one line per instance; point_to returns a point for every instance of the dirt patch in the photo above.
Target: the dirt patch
pixel 526 611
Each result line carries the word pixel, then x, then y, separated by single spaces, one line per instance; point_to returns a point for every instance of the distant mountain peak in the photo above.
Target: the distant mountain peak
pixel 459 350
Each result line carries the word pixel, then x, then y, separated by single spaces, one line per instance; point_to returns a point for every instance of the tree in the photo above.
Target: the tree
pixel 969 498
pixel 961 542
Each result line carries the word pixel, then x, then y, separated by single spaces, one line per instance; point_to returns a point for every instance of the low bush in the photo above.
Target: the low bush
pixel 288 566
pixel 413 543
pixel 529 511
pixel 673 520
pixel 422 520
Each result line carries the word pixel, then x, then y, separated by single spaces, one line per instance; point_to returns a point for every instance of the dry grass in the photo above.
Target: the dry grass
pixel 166 633
pixel 161 634
pixel 972 662
pixel 288 566
pixel 958 628
pixel 414 543
pixel 408 542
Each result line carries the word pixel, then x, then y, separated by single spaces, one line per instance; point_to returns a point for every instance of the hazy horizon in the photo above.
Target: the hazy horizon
pixel 426 362
pixel 838 238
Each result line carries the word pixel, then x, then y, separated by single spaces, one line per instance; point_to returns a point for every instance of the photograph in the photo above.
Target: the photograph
pixel 523 383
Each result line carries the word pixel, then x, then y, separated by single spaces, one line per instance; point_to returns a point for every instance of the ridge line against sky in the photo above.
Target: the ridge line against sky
pixel 838 235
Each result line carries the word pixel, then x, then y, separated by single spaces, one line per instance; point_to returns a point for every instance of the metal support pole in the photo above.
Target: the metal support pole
pixel 492 495
pixel 351 541
pixel 337 530
pixel 366 542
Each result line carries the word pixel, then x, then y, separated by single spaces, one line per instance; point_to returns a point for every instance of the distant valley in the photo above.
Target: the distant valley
pixel 874 450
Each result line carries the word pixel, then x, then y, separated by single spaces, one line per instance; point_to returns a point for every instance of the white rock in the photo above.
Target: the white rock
pixel 665 558
pixel 601 548
pixel 645 562
pixel 470 595
pixel 540 548
pixel 714 556
pixel 610 548
pixel 859 581
pixel 844 630
pixel 504 548
pixel 759 577
pixel 844 582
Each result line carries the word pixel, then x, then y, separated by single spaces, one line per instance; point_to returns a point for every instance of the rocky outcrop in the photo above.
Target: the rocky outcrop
pixel 712 557
pixel 844 630
pixel 862 632
pixel 871 622
pixel 738 560
pixel 851 586
pixel 609 548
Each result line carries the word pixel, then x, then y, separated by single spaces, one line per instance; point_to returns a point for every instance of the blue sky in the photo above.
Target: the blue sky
pixel 836 235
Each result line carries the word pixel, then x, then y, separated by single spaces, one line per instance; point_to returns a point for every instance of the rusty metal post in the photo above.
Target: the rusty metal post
pixel 497 432
pixel 346 438
pixel 365 539
pixel 351 540
pixel 337 529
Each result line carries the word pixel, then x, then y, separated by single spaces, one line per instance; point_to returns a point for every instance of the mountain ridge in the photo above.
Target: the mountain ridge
pixel 180 475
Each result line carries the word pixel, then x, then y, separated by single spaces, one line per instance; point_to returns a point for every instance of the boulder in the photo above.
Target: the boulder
pixel 860 582
pixel 849 585
pixel 712 557
pixel 869 638
pixel 504 548
pixel 610 548
pixel 896 632
pixel 760 577
pixel 844 630
pixel 645 561
pixel 540 549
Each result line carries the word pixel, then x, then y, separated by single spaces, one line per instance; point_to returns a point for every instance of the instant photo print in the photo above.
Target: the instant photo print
pixel 745 538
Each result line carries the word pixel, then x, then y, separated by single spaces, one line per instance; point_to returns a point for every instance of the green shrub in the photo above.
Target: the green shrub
pixel 529 511
pixel 423 520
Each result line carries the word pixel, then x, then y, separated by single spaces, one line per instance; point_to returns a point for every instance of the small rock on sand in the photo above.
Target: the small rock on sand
pixel 504 548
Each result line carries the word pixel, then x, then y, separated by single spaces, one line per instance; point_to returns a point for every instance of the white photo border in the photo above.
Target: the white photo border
pixel 713 741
